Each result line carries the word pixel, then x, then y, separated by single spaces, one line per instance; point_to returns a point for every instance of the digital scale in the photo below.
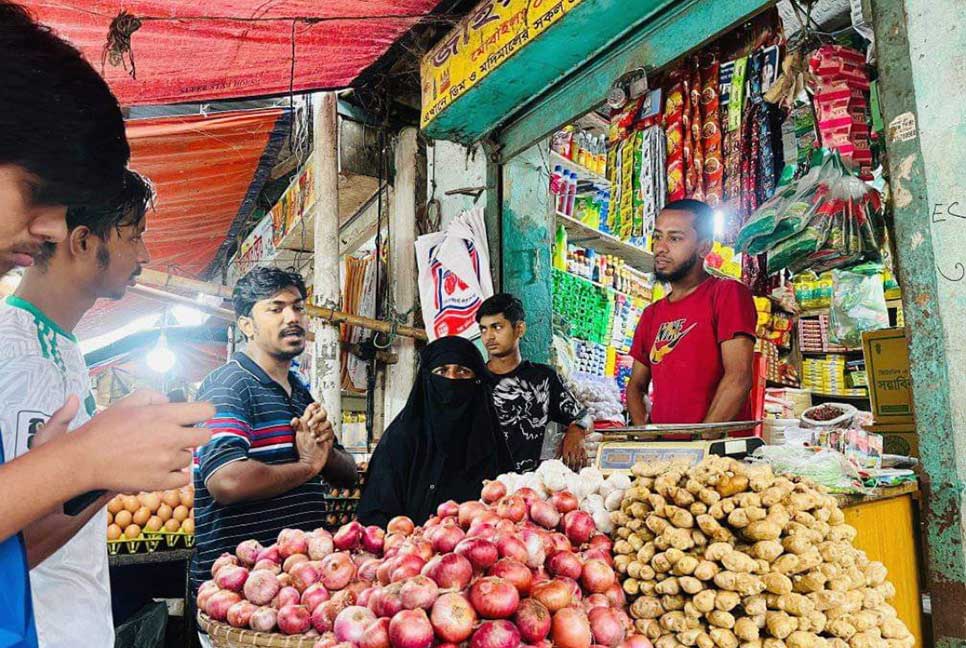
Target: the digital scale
pixel 621 448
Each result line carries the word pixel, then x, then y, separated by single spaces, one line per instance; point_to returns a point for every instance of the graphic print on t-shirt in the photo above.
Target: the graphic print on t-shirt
pixel 667 338
pixel 523 405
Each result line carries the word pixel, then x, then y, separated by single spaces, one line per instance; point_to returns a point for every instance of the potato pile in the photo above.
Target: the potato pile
pixel 725 554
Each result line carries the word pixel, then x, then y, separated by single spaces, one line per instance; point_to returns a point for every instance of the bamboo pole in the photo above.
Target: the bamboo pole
pixel 330 315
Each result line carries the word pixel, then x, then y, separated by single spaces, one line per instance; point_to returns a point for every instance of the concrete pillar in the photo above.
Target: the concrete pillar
pixel 402 269
pixel 326 374
pixel 528 232
pixel 920 48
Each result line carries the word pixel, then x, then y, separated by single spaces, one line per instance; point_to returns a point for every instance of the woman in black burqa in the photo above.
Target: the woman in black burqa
pixel 443 444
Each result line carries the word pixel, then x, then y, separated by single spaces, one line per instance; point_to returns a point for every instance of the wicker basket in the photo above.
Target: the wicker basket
pixel 223 635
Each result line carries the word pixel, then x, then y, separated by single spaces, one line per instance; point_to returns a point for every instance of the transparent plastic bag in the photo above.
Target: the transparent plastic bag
pixel 826 467
pixel 858 304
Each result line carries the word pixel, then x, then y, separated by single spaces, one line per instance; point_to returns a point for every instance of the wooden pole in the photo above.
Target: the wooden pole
pixel 402 268
pixel 327 289
pixel 327 315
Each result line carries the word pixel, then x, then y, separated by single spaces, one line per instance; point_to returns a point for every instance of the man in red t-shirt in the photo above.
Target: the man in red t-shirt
pixel 697 344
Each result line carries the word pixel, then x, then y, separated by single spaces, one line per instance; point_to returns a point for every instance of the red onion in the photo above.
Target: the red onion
pixel 564 502
pixel 392 541
pixel 294 619
pixel 481 553
pixel 323 617
pixel 401 524
pixel 514 572
pixel 636 641
pixel 482 530
pixel 337 570
pixel 598 554
pixel 579 526
pixel 446 538
pixel 494 598
pixel 270 553
pixel 533 620
pixel 544 514
pixel 240 614
pixel 263 619
pixel 327 640
pixel 292 561
pixel 351 623
pixel 284 580
pixel 448 509
pixel 223 560
pixel 450 571
pixel 496 634
pixel 219 602
pixel 606 626
pixel 288 596
pixel 406 567
pixel 348 536
pixel 512 508
pixel 365 595
pixel 571 629
pixel 554 594
pixel 565 563
pixel 373 539
pixel 291 542
pixel 269 566
pixel 492 491
pixel 468 511
pixel 261 587
pixel 560 542
pixel 376 635
pixel 411 629
pixel 615 594
pixel 367 570
pixel 205 592
pixel 232 577
pixel 314 596
pixel 528 494
pixel 597 576
pixel 304 575
pixel 453 618
pixel 320 546
pixel 248 551
pixel 418 592
pixel 595 600
pixel 512 547
pixel 387 601
pixel 602 542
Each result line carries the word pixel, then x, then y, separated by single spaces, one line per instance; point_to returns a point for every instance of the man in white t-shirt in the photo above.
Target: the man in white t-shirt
pixel 41 365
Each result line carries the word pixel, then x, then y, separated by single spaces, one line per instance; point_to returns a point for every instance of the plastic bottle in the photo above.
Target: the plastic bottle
pixel 561 196
pixel 604 211
pixel 556 180
pixel 560 249
pixel 571 195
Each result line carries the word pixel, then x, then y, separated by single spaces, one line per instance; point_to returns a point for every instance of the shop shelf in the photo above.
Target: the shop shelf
pixel 583 173
pixel 815 312
pixel 600 285
pixel 845 396
pixel 586 236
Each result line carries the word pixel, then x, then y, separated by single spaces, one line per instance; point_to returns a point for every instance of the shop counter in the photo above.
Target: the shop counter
pixel 885 520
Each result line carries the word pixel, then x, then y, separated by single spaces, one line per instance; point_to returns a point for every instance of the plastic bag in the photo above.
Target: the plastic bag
pixel 825 467
pixel 858 304
pixel 145 629
pixel 824 416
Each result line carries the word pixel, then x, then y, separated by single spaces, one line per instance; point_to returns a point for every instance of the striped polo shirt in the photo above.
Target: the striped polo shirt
pixel 252 421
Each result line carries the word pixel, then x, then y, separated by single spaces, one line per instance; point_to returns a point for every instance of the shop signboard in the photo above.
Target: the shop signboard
pixel 297 200
pixel 257 247
pixel 489 35
pixel 886 355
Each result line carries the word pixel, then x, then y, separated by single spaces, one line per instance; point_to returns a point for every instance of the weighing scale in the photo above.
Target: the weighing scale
pixel 621 448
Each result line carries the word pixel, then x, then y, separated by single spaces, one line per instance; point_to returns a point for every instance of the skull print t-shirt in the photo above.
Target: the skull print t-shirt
pixel 527 399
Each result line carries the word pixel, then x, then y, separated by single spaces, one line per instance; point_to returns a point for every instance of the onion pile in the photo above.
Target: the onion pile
pixel 509 571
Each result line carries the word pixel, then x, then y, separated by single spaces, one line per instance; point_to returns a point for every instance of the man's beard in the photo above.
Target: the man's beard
pixel 679 273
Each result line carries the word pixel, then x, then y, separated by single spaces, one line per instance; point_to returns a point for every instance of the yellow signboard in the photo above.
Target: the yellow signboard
pixel 297 200
pixel 488 36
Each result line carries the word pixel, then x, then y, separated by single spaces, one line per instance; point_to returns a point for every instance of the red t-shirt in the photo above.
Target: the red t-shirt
pixel 681 344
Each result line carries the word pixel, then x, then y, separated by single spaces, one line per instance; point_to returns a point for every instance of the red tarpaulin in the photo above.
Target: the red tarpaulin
pixel 191 50
pixel 206 172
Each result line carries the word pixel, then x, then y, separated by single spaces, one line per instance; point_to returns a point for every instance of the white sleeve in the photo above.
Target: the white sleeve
pixel 31 389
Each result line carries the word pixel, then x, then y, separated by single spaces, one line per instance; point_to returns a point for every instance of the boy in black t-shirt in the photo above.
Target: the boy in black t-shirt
pixel 527 395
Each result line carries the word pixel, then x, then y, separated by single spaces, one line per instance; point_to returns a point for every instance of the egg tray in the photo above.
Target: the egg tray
pixel 151 542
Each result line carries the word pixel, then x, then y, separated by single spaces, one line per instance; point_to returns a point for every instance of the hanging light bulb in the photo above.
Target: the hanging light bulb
pixel 161 358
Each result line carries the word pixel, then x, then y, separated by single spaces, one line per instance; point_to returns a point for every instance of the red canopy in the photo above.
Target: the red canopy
pixel 206 171
pixel 191 50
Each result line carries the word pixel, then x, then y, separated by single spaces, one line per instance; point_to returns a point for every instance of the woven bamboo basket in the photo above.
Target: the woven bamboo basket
pixel 223 635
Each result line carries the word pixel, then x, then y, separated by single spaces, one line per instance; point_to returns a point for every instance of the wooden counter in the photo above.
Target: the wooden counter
pixel 887 533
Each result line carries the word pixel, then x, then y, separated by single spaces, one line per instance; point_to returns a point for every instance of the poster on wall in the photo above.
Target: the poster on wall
pixel 490 34
pixel 454 276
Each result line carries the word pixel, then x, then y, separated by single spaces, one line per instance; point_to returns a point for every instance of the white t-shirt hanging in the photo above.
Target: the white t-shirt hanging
pixel 40 365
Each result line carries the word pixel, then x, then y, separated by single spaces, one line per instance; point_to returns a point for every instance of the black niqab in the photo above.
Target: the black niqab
pixel 443 444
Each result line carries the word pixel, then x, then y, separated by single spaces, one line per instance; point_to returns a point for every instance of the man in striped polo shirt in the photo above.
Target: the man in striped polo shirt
pixel 272 448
